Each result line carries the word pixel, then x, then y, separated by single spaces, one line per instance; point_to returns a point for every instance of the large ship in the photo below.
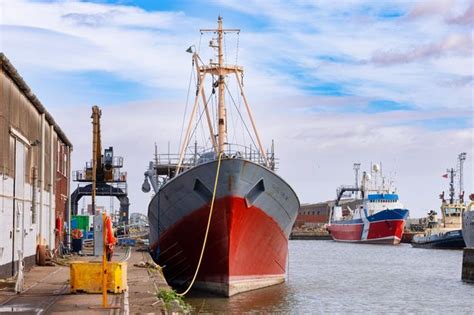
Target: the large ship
pixel 380 218
pixel 220 218
pixel 448 233
pixel 468 223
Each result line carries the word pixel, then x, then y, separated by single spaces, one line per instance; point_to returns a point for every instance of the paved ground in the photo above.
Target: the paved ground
pixel 143 284
pixel 47 289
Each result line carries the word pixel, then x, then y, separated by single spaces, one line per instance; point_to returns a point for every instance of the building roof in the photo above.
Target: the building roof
pixel 16 77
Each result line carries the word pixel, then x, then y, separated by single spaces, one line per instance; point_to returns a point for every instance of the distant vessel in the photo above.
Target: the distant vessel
pixel 468 224
pixel 418 228
pixel 408 235
pixel 380 219
pixel 248 209
pixel 448 235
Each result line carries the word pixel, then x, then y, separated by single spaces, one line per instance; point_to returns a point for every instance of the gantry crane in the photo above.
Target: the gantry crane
pixel 102 174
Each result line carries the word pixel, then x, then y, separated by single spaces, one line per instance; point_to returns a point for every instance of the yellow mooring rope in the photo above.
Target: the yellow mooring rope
pixel 207 228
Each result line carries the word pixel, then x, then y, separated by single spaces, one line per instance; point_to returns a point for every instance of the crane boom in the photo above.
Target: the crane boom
pixel 96 150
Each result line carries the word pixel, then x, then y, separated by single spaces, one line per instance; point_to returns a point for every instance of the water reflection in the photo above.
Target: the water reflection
pixel 275 298
pixel 329 277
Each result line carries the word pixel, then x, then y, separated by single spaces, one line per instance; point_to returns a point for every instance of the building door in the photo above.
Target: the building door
pixel 18 204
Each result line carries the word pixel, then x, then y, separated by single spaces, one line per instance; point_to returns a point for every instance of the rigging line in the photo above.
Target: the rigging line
pixel 198 104
pixel 243 122
pixel 203 133
pixel 187 103
pixel 225 48
pixel 236 118
pixel 213 105
pixel 240 107
pixel 237 49
pixel 199 119
pixel 234 132
pixel 197 122
pixel 199 46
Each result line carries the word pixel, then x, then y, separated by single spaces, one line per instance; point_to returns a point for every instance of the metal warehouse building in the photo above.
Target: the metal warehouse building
pixel 318 213
pixel 34 173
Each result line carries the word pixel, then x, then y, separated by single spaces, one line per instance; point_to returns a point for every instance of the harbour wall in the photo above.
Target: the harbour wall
pixel 468 265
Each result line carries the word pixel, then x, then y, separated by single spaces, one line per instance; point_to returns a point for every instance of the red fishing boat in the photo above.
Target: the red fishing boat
pixel 379 219
pixel 220 218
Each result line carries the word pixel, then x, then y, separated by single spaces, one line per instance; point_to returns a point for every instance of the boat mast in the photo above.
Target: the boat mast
pixel 461 159
pixel 451 186
pixel 219 70
pixel 221 118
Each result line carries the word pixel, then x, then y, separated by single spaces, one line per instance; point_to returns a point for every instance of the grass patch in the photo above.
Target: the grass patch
pixel 168 296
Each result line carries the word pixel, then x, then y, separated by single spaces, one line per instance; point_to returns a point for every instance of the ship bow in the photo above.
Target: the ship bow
pixel 247 244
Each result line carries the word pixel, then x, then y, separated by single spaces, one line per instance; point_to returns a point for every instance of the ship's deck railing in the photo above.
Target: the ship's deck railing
pixel 195 156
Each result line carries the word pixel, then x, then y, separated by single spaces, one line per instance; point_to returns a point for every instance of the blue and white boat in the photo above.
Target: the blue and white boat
pixel 380 219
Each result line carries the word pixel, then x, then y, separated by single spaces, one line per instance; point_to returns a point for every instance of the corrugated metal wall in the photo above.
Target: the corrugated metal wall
pixel 16 111
pixel 30 133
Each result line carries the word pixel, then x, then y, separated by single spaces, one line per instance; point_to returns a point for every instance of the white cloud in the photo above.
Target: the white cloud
pixel 455 44
pixel 75 36
pixel 316 142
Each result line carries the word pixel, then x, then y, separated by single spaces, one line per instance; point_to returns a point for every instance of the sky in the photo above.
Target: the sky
pixel 331 82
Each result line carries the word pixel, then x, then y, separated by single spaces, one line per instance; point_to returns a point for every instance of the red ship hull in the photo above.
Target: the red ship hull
pixel 246 249
pixel 382 232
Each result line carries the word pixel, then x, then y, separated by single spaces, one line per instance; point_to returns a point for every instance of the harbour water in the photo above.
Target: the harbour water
pixel 330 277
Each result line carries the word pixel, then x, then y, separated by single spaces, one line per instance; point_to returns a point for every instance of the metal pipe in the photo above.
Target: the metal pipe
pixel 69 214
pixel 34 178
pixel 51 189
pixel 41 186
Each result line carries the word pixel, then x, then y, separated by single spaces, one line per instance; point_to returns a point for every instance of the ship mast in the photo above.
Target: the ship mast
pixel 221 118
pixel 220 70
pixel 451 186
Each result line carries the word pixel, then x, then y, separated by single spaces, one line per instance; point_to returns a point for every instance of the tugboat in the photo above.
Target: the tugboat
pixel 468 223
pixel 220 217
pixel 448 234
pixel 379 220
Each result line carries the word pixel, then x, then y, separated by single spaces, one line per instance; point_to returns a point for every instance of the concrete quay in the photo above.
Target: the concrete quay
pixel 468 265
pixel 311 235
pixel 47 291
